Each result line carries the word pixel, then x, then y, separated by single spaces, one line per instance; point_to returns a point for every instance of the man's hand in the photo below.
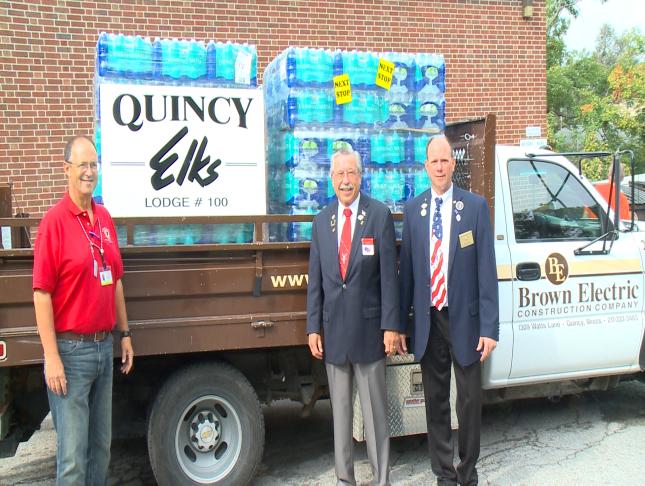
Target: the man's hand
pixel 315 345
pixel 485 347
pixel 391 341
pixel 401 346
pixel 127 355
pixel 55 375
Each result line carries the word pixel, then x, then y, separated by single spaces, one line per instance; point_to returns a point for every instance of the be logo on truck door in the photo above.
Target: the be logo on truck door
pixel 556 268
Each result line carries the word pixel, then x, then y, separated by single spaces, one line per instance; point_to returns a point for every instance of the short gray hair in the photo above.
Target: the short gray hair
pixel 69 146
pixel 346 151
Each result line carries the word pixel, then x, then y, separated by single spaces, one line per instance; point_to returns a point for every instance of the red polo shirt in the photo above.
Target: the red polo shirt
pixel 64 266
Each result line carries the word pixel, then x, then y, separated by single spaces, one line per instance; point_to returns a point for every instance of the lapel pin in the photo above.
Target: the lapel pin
pixel 333 223
pixel 361 217
pixel 424 207
pixel 458 217
pixel 459 205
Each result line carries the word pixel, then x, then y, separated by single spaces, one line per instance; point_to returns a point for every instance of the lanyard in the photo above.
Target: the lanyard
pixel 92 244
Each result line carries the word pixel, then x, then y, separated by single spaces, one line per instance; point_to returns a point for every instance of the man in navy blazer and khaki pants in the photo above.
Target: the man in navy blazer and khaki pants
pixel 449 280
pixel 352 312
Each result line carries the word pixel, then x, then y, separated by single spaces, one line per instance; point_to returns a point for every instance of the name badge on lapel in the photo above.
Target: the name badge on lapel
pixel 466 239
pixel 368 246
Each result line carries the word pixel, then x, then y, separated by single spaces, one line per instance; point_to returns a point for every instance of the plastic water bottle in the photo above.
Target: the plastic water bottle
pixel 408 185
pixel 169 66
pixel 421 181
pixel 244 59
pixel 290 69
pixel 363 147
pixel 378 185
pixel 393 148
pixel 377 145
pixel 97 138
pixel 102 54
pixel 291 111
pixel 157 59
pixel 291 188
pixel 390 192
pixel 364 68
pixel 254 76
pixel 404 76
pixel 408 150
pixel 195 67
pixel 400 111
pixel 322 180
pixel 431 116
pixel 431 75
pixel 142 58
pixel 211 60
pixel 314 149
pixel 224 62
pixel 366 181
pixel 306 111
pixel 288 150
pixel 420 143
pixel 321 109
pixel 116 58
pixel 322 63
pixel 338 63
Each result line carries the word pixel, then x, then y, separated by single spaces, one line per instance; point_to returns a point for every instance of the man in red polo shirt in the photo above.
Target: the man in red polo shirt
pixel 78 297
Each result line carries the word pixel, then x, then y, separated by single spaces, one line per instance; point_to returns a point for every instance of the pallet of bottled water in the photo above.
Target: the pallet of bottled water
pixel 175 62
pixel 135 58
pixel 299 90
pixel 389 128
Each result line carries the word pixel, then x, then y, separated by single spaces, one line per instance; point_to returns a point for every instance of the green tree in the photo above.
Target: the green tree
pixel 596 101
pixel 557 24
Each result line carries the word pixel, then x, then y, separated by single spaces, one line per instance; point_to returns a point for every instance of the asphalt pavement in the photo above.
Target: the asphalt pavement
pixel 596 438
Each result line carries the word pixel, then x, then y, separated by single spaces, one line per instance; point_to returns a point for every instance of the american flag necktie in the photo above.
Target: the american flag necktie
pixel 437 278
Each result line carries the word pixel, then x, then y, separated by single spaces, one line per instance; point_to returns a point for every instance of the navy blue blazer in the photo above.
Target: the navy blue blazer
pixel 473 302
pixel 352 314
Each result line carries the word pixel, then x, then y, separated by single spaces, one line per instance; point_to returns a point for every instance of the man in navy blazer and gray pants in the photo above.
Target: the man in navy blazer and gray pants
pixel 449 280
pixel 352 312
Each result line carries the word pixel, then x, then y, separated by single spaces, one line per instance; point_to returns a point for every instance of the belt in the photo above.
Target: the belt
pixel 92 337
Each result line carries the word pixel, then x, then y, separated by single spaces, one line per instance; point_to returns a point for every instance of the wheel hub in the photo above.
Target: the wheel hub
pixel 205 431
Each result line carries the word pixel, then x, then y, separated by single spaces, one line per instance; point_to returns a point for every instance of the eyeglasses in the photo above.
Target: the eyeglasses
pixel 341 173
pixel 85 166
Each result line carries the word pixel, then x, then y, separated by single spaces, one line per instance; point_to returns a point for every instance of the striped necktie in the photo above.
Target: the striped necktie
pixel 437 278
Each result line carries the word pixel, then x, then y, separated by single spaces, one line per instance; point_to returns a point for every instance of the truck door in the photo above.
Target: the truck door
pixel 573 314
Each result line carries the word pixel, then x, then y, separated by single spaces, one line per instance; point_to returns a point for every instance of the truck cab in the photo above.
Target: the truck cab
pixel 569 310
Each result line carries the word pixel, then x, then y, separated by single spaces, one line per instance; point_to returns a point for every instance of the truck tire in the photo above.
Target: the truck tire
pixel 205 427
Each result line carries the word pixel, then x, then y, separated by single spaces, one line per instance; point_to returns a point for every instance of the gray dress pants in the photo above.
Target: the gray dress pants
pixel 370 382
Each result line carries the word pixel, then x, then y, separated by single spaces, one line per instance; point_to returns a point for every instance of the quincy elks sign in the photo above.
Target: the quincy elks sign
pixel 182 150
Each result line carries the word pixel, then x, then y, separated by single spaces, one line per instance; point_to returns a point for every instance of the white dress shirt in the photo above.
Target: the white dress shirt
pixel 341 217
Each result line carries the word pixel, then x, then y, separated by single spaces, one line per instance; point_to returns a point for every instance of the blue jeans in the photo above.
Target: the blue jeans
pixel 83 417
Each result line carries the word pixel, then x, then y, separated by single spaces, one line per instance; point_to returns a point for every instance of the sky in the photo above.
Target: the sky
pixel 622 15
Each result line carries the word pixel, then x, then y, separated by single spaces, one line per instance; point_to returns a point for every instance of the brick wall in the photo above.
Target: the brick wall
pixel 495 60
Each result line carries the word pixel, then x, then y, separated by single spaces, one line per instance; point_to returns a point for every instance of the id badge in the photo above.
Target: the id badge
pixel 106 277
pixel 367 245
